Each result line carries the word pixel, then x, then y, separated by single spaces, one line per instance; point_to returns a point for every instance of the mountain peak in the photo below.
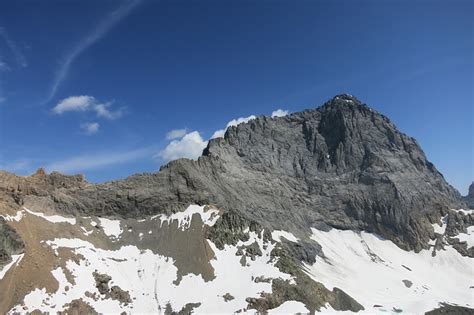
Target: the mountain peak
pixel 40 172
pixel 345 103
pixel 346 98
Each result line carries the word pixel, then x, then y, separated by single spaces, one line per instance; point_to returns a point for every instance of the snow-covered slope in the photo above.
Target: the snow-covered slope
pixel 383 277
pixel 141 280
pixel 151 265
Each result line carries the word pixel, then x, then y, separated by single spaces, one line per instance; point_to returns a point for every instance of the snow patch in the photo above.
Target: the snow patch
pixel 371 269
pixel 111 228
pixel 467 237
pixel 328 309
pixel 440 228
pixel 15 261
pixel 86 233
pixel 184 218
pixel 19 215
pixel 289 307
pixel 278 234
pixel 465 212
pixel 53 218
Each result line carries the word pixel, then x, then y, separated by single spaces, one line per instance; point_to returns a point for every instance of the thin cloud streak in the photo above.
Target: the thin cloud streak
pixel 20 166
pixel 96 161
pixel 100 31
pixel 2 96
pixel 3 66
pixel 20 58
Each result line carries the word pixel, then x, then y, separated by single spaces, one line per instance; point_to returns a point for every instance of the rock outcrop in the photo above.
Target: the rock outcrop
pixel 10 243
pixel 470 196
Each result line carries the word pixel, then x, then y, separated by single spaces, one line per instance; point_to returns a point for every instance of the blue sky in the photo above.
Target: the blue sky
pixel 111 88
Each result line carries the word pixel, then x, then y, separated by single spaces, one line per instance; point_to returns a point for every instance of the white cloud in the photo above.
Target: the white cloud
pixel 74 103
pixel 102 110
pixel 90 128
pixel 176 134
pixel 233 122
pixel 279 113
pixel 104 26
pixel 96 161
pixel 189 146
pixel 218 133
pixel 84 103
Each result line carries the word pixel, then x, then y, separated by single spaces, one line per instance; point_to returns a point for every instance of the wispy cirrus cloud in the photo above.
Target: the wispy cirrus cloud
pixel 104 26
pixel 93 161
pixel 3 66
pixel 21 166
pixel 17 53
pixel 6 67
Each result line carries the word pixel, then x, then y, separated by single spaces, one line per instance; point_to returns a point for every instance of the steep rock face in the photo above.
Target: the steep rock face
pixel 10 243
pixel 341 165
pixel 470 196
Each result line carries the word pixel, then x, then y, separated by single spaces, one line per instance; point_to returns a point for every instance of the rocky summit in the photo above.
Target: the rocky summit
pixel 329 209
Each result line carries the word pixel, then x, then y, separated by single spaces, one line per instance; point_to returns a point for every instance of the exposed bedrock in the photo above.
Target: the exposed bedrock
pixel 470 196
pixel 10 243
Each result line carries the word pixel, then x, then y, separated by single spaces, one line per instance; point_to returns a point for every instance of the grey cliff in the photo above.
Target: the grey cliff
pixel 470 196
